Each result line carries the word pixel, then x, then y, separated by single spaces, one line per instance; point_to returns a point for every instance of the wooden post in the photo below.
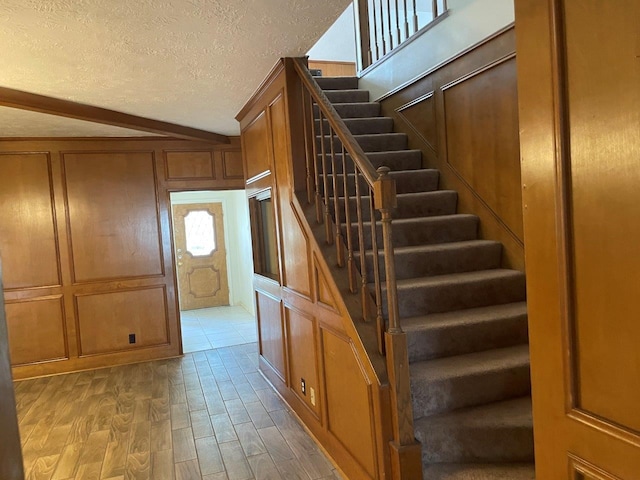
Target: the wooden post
pixel 405 450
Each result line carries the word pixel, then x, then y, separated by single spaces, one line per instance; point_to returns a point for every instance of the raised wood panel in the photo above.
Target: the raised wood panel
pixel 105 320
pixel 28 245
pixel 420 115
pixel 10 452
pixel 255 147
pixel 232 164
pixel 604 222
pixel 303 357
pixel 583 470
pixel 113 215
pixel 324 295
pixel 190 166
pixel 349 406
pixel 271 332
pixel 482 138
pixel 36 330
pixel 462 115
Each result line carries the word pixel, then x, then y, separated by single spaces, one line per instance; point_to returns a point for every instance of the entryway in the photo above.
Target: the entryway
pixel 212 247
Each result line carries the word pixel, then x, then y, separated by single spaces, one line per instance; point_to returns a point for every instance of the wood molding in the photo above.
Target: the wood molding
pixel 10 97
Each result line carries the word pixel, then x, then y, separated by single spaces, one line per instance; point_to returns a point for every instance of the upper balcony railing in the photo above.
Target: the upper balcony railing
pixel 387 24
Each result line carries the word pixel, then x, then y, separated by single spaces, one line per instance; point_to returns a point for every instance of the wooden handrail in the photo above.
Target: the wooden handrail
pixel 337 124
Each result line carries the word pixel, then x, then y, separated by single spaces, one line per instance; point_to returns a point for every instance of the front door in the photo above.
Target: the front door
pixel 579 95
pixel 201 256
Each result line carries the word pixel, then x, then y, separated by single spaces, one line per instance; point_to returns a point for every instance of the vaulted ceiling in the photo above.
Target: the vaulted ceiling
pixel 189 62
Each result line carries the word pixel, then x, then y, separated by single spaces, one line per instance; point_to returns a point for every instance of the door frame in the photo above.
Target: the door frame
pixel 225 225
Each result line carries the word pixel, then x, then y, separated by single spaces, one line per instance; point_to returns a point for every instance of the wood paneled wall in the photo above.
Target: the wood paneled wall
pixel 10 451
pixel 306 330
pixel 85 237
pixel 463 115
pixel 333 68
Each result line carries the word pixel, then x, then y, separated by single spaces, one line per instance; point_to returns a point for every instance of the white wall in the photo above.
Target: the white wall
pixel 237 233
pixel 468 22
pixel 339 42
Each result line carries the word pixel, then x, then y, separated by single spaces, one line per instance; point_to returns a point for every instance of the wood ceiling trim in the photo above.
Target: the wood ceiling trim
pixel 65 108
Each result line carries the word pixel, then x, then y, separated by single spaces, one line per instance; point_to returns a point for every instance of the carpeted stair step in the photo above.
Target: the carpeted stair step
pixel 407 181
pixel 458 291
pixel 361 126
pixel 378 142
pixel 347 96
pixel 424 230
pixel 493 433
pixel 398 160
pixel 514 471
pixel 337 83
pixel 353 110
pixel 465 331
pixel 442 258
pixel 424 204
pixel 468 380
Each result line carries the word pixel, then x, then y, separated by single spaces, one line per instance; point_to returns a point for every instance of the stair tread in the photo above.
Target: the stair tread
pixel 438 218
pixel 514 413
pixel 461 317
pixel 461 277
pixel 505 471
pixel 413 249
pixel 432 193
pixel 471 363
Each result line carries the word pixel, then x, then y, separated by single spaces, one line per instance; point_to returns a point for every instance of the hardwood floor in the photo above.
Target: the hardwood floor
pixel 209 415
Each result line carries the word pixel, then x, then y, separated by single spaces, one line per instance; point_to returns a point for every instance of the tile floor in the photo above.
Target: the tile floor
pixel 217 327
pixel 208 415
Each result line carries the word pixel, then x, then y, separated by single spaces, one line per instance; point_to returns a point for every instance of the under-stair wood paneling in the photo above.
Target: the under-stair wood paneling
pixel 463 116
pixel 86 242
pixel 306 332
pixel 11 467
pixel 579 106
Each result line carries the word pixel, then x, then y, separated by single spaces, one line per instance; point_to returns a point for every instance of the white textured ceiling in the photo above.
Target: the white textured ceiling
pixel 189 62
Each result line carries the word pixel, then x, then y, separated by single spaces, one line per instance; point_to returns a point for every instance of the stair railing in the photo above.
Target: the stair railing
pixel 343 203
pixel 387 24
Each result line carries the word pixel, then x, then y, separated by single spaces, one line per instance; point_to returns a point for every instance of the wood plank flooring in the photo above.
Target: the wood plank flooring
pixel 209 415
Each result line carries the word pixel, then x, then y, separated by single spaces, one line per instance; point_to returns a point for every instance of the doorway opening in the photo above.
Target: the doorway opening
pixel 214 269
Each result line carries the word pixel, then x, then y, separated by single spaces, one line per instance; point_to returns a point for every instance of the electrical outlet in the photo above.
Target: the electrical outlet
pixel 312 395
pixel 132 338
pixel 303 386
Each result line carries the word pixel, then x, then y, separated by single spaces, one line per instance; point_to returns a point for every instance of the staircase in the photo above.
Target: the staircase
pixel 465 316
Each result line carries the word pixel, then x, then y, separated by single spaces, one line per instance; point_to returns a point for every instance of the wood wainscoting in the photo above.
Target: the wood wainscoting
pixel 86 243
pixel 312 345
pixel 332 68
pixel 463 116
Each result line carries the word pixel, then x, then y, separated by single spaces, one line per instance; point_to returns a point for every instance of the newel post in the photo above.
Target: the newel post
pixel 405 451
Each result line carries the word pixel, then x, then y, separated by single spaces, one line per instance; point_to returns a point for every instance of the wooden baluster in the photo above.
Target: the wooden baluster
pixel 336 205
pixel 434 9
pixel 398 38
pixel 382 35
pixel 347 215
pixel 374 20
pixel 376 275
pixel 364 294
pixel 389 25
pixel 415 17
pixel 406 20
pixel 325 186
pixel 308 141
pixel 317 168
pixel 364 24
